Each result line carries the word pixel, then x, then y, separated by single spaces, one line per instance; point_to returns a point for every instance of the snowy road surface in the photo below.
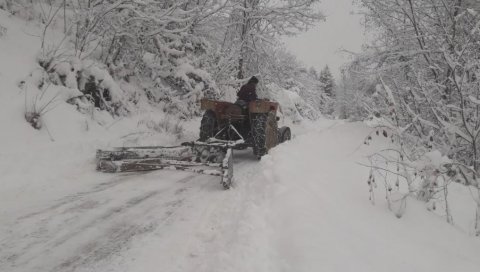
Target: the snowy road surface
pixel 304 207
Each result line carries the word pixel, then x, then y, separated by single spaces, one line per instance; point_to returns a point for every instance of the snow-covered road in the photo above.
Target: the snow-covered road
pixel 124 222
pixel 304 207
pixel 103 226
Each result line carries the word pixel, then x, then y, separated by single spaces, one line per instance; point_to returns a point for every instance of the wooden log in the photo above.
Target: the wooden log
pixel 158 164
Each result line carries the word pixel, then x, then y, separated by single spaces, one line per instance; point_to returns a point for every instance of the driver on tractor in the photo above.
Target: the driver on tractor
pixel 248 92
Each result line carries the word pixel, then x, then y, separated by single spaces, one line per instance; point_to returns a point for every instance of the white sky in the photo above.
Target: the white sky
pixel 321 45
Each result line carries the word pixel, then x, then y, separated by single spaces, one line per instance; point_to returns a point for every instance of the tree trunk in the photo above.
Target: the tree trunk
pixel 241 72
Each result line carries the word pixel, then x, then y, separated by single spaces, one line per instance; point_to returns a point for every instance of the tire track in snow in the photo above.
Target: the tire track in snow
pixel 220 226
pixel 118 237
pixel 95 229
pixel 69 199
pixel 89 226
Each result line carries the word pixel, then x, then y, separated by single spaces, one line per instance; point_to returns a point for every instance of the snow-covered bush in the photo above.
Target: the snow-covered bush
pixel 178 82
pixel 412 168
pixel 39 102
pixel 292 105
pixel 421 77
pixel 91 82
pixel 426 178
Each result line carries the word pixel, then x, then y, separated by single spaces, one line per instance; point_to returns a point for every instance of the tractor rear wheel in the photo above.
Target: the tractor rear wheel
pixel 264 132
pixel 208 126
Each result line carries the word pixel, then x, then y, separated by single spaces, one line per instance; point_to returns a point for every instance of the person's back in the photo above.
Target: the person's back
pixel 248 92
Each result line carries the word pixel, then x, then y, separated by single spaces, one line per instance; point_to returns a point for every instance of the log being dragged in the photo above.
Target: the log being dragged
pixel 209 159
pixel 137 165
pixel 181 153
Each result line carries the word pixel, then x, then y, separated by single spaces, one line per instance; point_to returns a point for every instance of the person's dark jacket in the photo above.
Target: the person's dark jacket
pixel 248 92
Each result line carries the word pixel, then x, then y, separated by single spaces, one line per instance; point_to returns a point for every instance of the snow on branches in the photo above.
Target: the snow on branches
pixel 177 51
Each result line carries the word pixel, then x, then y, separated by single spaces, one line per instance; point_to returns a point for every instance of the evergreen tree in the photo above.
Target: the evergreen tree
pixel 327 80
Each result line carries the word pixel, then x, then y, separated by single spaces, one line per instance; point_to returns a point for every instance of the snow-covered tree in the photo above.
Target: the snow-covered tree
pixel 285 71
pixel 327 81
pixel 254 25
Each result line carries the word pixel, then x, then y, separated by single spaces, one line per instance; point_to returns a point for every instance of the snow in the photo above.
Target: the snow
pixel 323 221
pixel 303 207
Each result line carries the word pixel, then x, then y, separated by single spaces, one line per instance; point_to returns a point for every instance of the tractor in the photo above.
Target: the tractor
pixel 254 123
pixel 224 127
